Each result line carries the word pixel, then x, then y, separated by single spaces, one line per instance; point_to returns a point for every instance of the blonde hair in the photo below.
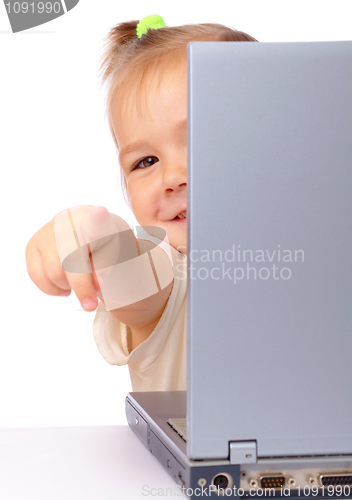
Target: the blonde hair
pixel 127 61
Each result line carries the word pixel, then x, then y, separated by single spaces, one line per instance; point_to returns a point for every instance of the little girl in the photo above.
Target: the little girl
pixel 145 70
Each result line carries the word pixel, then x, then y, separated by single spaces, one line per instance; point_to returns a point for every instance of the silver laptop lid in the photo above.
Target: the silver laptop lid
pixel 270 248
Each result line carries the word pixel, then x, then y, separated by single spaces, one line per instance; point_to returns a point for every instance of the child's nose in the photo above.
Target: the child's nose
pixel 175 176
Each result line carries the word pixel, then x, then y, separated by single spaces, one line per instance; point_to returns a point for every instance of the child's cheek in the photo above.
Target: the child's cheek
pixel 137 207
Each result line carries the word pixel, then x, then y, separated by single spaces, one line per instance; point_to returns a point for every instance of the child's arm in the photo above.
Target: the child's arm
pixel 91 224
pixel 142 316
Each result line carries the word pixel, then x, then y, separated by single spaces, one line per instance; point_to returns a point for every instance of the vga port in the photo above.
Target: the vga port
pixel 272 481
pixel 343 479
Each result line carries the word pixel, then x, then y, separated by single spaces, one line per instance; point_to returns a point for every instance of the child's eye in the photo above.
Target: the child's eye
pixel 148 161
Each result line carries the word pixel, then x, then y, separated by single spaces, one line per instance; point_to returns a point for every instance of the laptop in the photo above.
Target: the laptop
pixel 268 407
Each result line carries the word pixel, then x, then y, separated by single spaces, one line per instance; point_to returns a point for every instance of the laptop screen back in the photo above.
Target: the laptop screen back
pixel 269 248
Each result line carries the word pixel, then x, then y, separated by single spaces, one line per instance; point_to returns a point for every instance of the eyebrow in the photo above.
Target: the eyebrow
pixel 135 146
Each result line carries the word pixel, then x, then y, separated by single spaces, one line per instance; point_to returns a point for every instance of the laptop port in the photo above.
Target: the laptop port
pixel 276 481
pixel 221 482
pixel 343 479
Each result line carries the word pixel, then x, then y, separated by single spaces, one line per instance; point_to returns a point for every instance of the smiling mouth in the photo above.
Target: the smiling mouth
pixel 182 215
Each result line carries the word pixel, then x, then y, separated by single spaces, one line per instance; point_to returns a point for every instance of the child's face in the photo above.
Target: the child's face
pixel 156 168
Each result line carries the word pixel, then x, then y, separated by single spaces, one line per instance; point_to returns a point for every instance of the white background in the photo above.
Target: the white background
pixel 56 152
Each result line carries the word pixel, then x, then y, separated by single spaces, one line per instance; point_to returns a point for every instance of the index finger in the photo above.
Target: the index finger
pixel 75 261
pixel 84 289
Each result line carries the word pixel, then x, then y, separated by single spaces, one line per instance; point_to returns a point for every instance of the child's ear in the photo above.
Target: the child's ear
pixel 36 13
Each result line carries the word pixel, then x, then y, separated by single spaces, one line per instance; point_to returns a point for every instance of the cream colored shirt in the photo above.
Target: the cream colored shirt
pixel 158 363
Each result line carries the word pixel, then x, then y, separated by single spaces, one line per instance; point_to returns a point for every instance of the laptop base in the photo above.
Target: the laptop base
pixel 307 477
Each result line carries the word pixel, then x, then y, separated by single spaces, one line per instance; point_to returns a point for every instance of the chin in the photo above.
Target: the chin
pixel 177 236
pixel 181 246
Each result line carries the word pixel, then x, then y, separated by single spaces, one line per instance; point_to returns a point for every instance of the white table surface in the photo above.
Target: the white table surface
pixel 80 463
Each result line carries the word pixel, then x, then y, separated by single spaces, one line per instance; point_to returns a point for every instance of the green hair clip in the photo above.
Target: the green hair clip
pixel 152 22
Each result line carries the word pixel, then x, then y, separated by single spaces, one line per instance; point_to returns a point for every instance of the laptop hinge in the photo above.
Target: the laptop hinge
pixel 243 452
